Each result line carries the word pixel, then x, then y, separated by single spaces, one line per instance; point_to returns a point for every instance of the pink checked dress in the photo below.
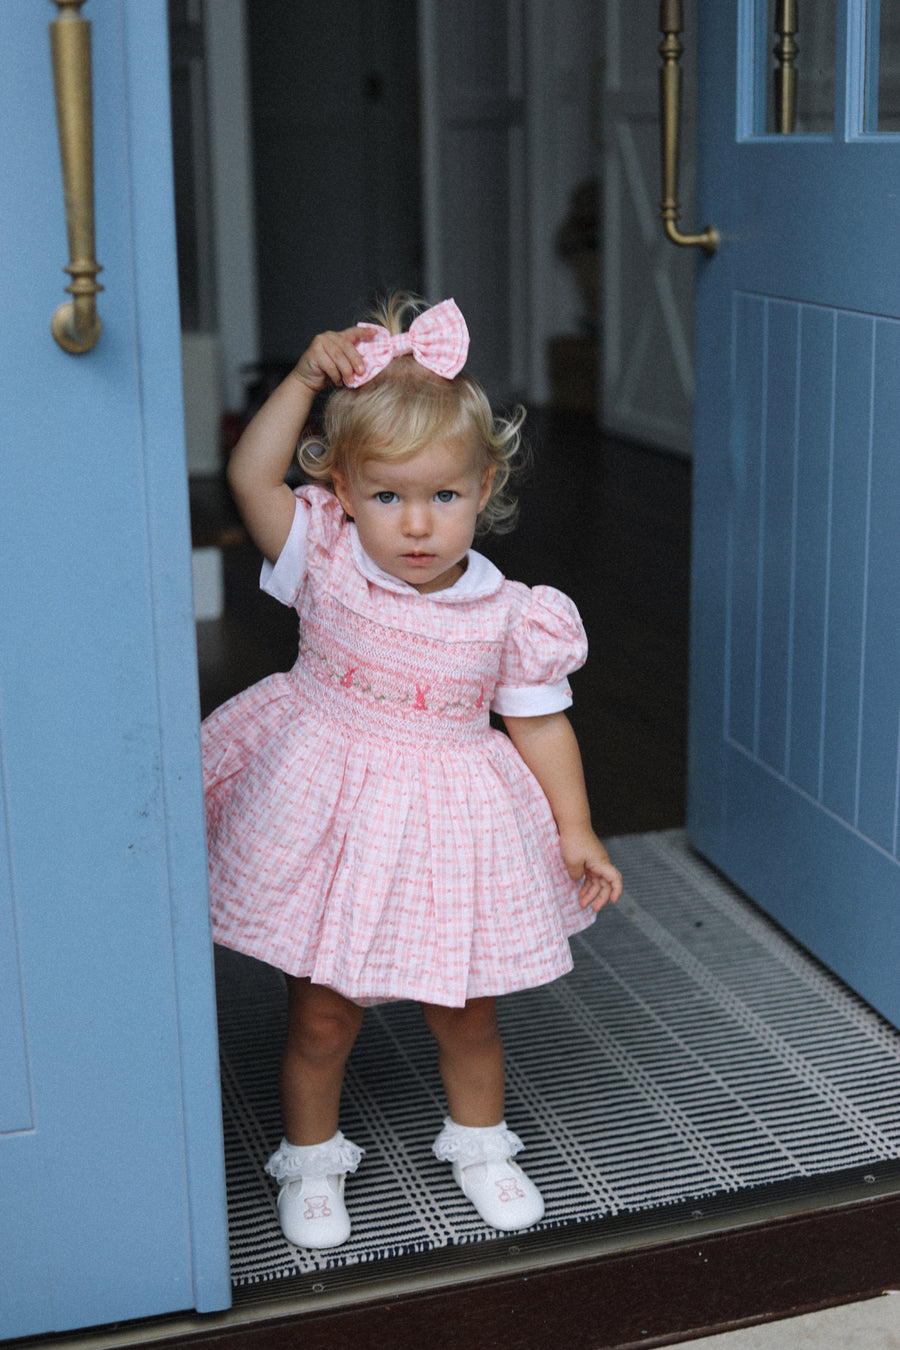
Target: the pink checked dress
pixel 367 827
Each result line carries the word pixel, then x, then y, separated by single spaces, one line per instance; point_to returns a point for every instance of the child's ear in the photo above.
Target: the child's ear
pixel 342 491
pixel 487 482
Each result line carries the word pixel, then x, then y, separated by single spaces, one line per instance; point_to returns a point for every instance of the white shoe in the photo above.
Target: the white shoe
pixel 485 1172
pixel 313 1213
pixel 311 1199
pixel 501 1192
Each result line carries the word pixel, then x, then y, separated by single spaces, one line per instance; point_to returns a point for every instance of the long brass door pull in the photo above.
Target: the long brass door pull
pixel 671 23
pixel 76 324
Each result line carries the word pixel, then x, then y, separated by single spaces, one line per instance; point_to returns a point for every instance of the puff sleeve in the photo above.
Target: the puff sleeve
pixel 545 646
pixel 317 519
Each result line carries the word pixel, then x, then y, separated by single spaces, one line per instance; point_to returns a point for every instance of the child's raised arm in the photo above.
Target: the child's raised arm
pixel 264 452
pixel 549 748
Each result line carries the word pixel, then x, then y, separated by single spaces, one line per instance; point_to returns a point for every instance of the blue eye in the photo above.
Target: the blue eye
pixel 386 498
pixel 445 495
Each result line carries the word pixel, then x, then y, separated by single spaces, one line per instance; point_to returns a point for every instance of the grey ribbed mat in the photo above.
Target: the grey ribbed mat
pixel 694 1051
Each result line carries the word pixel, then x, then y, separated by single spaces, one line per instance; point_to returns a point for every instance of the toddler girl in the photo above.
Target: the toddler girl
pixel 369 833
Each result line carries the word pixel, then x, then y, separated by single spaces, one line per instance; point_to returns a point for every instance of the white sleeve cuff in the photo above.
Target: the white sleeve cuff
pixel 282 579
pixel 531 700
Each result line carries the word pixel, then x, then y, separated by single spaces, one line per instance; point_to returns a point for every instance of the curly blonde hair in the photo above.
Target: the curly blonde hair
pixel 406 408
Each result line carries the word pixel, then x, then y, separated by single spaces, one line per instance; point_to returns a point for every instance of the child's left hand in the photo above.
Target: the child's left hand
pixel 585 856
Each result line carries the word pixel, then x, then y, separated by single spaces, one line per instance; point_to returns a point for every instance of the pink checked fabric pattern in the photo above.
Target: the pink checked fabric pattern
pixel 438 339
pixel 366 825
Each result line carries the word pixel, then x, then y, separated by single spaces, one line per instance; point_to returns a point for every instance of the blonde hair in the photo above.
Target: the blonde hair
pixel 406 408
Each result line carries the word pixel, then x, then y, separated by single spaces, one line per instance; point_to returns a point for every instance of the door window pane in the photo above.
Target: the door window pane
pixel 800 66
pixel 884 38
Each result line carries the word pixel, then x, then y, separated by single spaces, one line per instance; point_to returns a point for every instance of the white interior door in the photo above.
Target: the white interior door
pixel 474 187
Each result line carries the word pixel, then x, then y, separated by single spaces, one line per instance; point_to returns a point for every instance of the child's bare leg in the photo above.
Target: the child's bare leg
pixel 470 1059
pixel 475 1138
pixel 321 1028
pixel 314 1157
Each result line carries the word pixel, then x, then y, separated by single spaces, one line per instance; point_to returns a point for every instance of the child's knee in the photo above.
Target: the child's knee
pixel 474 1024
pixel 323 1027
pixel 479 1019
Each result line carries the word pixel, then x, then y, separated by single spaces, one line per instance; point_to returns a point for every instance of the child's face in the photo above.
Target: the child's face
pixel 416 519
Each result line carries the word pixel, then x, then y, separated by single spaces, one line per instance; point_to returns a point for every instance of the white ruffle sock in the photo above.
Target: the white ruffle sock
pixel 311 1199
pixel 483 1168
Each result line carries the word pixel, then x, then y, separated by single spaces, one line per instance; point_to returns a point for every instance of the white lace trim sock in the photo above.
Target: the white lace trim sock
pixel 469 1144
pixel 336 1156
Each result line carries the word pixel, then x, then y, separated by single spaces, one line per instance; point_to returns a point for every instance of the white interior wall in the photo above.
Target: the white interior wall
pixel 231 175
pixel 211 362
pixel 201 372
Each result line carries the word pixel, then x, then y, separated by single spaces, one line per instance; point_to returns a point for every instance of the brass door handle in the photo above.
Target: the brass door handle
pixel 671 23
pixel 786 53
pixel 75 324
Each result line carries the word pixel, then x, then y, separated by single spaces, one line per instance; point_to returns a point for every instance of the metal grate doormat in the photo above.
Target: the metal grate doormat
pixel 695 1052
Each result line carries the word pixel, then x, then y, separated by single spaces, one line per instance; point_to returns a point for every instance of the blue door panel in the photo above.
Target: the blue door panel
pixel 744 596
pixel 112 1202
pixel 15 1101
pixel 796 856
pixel 795 703
pixel 812 495
pixel 777 523
pixel 26 1298
pixel 812 686
pixel 847 564
pixel 880 728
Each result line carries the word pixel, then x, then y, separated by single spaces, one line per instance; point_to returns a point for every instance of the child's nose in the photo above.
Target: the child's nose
pixel 417 519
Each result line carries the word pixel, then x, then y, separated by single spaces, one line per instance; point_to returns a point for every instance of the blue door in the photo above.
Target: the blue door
pixel 795 711
pixel 111 1174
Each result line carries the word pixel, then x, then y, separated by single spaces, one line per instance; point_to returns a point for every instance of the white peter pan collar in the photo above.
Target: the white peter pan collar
pixel 480 578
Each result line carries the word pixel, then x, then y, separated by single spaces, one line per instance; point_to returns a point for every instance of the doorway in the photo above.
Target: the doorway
pixel 640 630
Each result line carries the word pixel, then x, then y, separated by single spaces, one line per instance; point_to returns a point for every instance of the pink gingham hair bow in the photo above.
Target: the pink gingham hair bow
pixel 438 339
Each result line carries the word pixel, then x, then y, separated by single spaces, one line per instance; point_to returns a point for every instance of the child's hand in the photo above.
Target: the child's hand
pixel 586 857
pixel 331 358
